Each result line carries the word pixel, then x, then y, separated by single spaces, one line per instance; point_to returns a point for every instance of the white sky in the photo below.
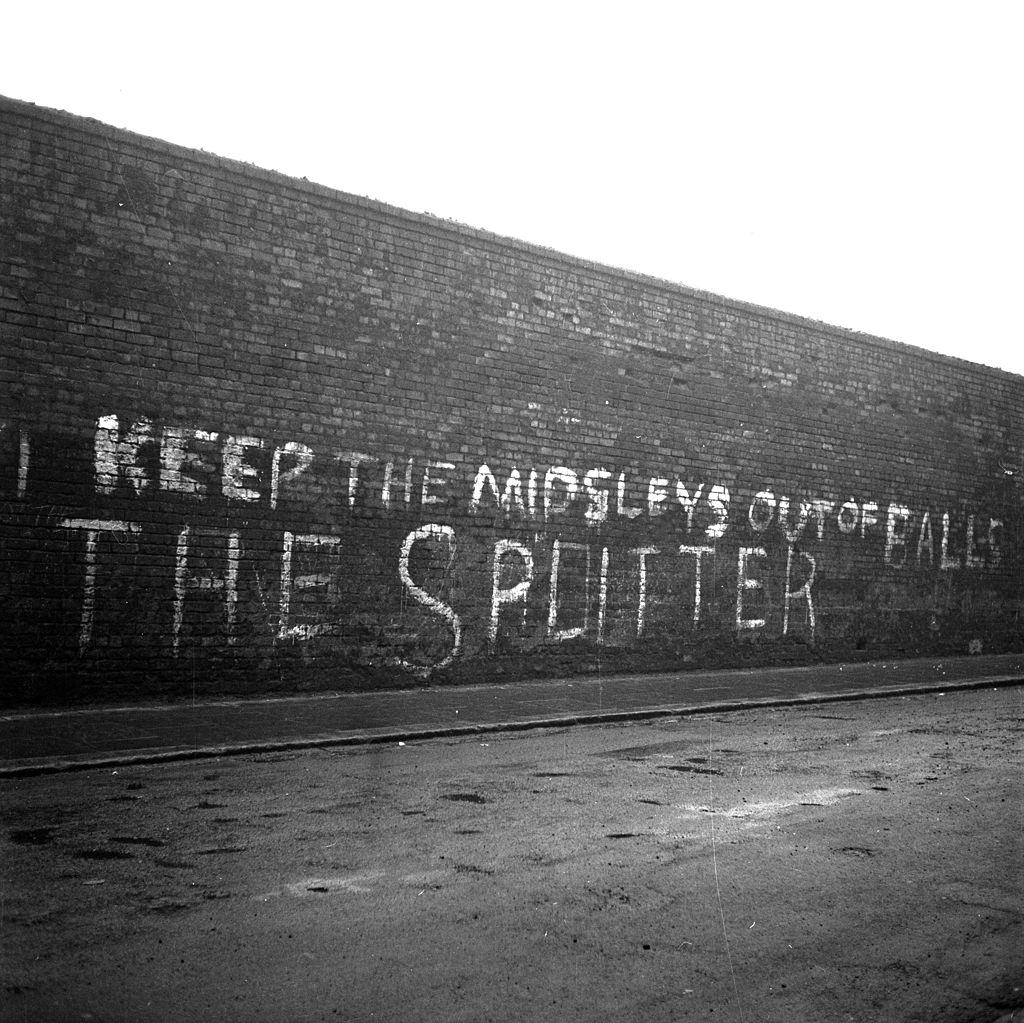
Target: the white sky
pixel 855 163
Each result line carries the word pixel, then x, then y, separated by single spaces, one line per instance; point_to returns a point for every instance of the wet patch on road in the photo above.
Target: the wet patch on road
pixel 337 885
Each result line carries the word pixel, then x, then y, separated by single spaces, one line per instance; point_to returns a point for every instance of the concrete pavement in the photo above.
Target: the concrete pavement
pixel 33 742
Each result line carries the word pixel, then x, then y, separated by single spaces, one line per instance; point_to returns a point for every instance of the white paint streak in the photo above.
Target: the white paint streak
pixel 23 458
pixel 303 456
pixel 236 472
pixel 699 554
pixel 306 581
pixel 793 534
pixel 744 583
pixel 718 502
pixel 512 495
pixel 620 500
pixel 804 591
pixel 689 503
pixel 946 562
pixel 531 494
pixel 184 581
pixel 974 558
pixel 897 526
pixel 92 529
pixel 822 510
pixel 848 517
pixel 761 511
pixel 925 540
pixel 995 554
pixel 180 578
pixel 430 481
pixel 571 633
pixel 513 594
pixel 354 459
pixel 868 516
pixel 598 497
pixel 231 584
pixel 602 602
pixel 642 553
pixel 431 531
pixel 115 454
pixel 389 484
pixel 657 495
pixel 569 481
pixel 177 459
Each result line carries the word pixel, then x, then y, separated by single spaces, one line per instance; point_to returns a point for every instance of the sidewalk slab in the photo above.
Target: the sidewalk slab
pixel 34 742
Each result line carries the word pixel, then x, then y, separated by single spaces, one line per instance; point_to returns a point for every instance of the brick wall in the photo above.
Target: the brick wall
pixel 263 436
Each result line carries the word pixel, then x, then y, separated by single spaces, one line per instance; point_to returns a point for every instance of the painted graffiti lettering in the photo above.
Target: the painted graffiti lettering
pixel 389 484
pixel 92 528
pixel 515 594
pixel 301 458
pixel 185 459
pixel 699 553
pixel 745 583
pixel 186 579
pixel 718 502
pixel 802 591
pixel 431 531
pixel 664 540
pixel 293 543
pixel 598 497
pixel 897 523
pixel 571 632
pixel 238 474
pixel 117 453
pixel 556 503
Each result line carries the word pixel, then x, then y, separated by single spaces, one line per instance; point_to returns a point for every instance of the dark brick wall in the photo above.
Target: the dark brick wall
pixel 263 436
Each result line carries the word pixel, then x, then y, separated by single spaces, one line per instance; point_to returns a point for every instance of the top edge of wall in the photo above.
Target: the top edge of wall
pixel 93 126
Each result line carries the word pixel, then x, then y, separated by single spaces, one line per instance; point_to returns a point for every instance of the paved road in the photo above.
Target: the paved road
pixel 856 861
pixel 56 740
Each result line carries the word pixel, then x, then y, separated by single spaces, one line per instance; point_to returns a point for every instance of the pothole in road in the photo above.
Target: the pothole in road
pixel 103 854
pixel 153 843
pixel 464 797
pixel 32 836
pixel 472 868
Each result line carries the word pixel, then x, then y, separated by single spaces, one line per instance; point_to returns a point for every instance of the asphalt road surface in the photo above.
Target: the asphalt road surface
pixel 856 861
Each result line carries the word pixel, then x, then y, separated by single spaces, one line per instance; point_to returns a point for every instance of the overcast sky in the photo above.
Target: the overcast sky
pixel 855 163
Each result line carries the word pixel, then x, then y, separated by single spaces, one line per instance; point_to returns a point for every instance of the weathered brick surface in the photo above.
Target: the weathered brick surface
pixel 259 435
